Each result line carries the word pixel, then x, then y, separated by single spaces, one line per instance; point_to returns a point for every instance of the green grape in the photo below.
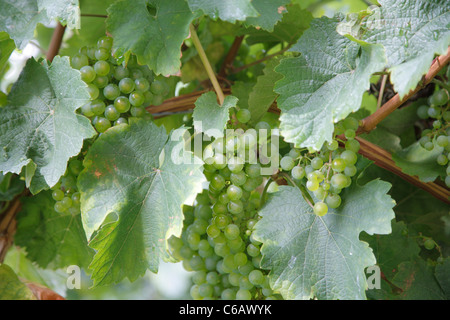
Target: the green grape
pixel 349 157
pixel 439 98
pixel 79 60
pixel 102 124
pixel 338 165
pixel 234 192
pixel 218 182
pixel 333 200
pixel 235 207
pixel 111 91
pixel 102 68
pixel 93 91
pixel 111 113
pixel 243 115
pixel 422 112
pixel 231 231
pixel 350 134
pixel 142 84
pixel 320 209
pixel 287 163
pixel 122 104
pixel 59 207
pixel 316 163
pixel 121 120
pixel 87 74
pixel 339 181
pixel 101 81
pixel 333 145
pixel 102 54
pixel 442 141
pixel 121 72
pixel 98 107
pixel 243 294
pixel 429 244
pixel 126 85
pixel 136 98
pixel 298 172
pixel 57 195
pixel 352 145
pixel 157 88
pixel 105 42
pixel 351 123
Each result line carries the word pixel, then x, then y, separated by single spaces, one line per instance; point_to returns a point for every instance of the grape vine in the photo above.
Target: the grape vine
pixel 271 150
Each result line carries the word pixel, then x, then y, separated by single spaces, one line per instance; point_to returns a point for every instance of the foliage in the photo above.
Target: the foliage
pixel 231 136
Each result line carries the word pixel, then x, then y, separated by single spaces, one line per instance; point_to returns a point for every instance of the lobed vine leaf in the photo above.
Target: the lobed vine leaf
pixel 270 13
pixel 262 96
pixel 311 256
pixel 229 10
pixel 416 161
pixel 325 84
pixel 39 126
pixel 154 30
pixel 132 192
pixel 210 117
pixel 412 32
pixel 11 288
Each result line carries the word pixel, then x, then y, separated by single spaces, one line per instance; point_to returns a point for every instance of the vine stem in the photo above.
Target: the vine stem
pixel 369 123
pixel 55 43
pixel 206 64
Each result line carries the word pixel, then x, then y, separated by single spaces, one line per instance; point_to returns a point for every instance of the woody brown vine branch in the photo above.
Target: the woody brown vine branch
pixel 56 41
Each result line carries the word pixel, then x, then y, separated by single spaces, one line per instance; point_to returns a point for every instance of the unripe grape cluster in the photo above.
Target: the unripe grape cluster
pixel 65 192
pixel 437 113
pixel 117 91
pixel 217 242
pixel 327 172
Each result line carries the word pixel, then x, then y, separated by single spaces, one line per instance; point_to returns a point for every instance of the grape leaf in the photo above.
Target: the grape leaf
pixel 6 48
pixel 442 273
pixel 51 239
pixel 10 186
pixel 293 23
pixel 210 117
pixel 262 96
pixel 11 288
pixel 325 84
pixel 39 125
pixel 417 281
pixel 154 30
pixel 412 33
pixel 19 19
pixel 228 10
pixel 270 13
pixel 417 161
pixel 67 11
pixel 131 172
pixel 311 256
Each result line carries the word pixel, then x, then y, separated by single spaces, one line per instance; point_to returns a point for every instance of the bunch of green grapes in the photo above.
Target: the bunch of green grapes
pixel 327 172
pixel 65 192
pixel 117 91
pixel 438 135
pixel 217 242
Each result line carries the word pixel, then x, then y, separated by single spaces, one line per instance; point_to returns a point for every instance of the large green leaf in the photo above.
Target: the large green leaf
pixel 227 10
pixel 270 13
pixel 262 96
pixel 154 30
pixel 412 33
pixel 325 84
pixel 415 160
pixel 132 179
pixel 39 128
pixel 6 48
pixel 67 11
pixel 293 23
pixel 11 288
pixel 311 256
pixel 20 17
pixel 51 239
pixel 211 117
